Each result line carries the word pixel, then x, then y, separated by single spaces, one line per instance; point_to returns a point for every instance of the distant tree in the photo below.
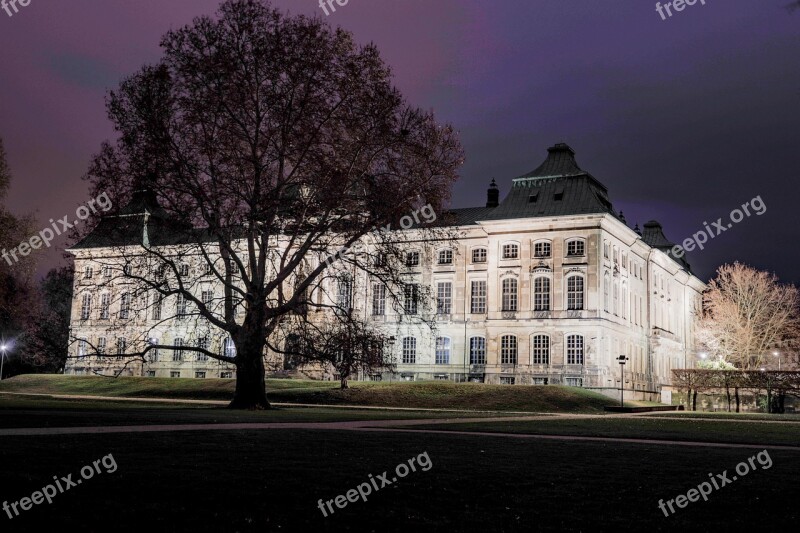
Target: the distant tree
pixel 745 313
pixel 269 142
pixel 46 339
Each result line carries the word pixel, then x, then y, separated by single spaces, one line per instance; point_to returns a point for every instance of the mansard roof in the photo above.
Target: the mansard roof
pixel 653 235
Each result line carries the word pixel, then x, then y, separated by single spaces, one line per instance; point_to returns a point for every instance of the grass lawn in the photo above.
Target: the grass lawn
pixel 472 396
pixel 19 412
pixel 267 481
pixel 643 428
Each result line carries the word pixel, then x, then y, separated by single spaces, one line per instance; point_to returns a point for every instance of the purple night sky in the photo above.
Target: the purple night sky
pixel 683 119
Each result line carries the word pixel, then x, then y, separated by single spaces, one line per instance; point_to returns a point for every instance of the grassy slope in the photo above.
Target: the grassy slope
pixel 470 396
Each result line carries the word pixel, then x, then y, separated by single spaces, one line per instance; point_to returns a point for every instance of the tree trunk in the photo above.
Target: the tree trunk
pixel 738 401
pixel 694 400
pixel 251 392
pixel 728 394
pixel 344 382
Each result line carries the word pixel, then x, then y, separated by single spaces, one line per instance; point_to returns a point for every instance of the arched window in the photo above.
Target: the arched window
pixel 541 350
pixel 442 350
pixel 409 350
pixel 477 351
pixel 606 295
pixel 575 293
pixel 508 350
pixel 509 294
pixel 541 294
pixel 574 349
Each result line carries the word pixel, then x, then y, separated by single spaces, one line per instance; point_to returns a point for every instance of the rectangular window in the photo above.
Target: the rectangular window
pixel 86 306
pixel 442 350
pixel 577 248
pixel 203 344
pixel 541 294
pixel 477 351
pixel 87 272
pixel 200 375
pixel 177 353
pixel 510 251
pixel 446 257
pixel 226 375
pixel 122 345
pixel 479 255
pixel 81 348
pixel 508 350
pixel 101 346
pixel 575 293
pixel 411 293
pixel 507 380
pixel 151 373
pixel 184 269
pixel 175 374
pixel 575 350
pixel 444 298
pixel 105 304
pixel 540 381
pixel 509 294
pixel 412 259
pixel 541 350
pixel 180 306
pixel 157 303
pixel 378 299
pixel 542 249
pixel 106 271
pixel 345 294
pixel 574 382
pixel 229 348
pixel 125 305
pixel 478 300
pixel 409 350
pixel 206 297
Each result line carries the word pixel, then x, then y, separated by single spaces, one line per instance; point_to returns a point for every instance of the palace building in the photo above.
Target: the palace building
pixel 547 286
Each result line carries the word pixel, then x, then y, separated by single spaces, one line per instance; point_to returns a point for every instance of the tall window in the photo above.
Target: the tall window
pixel 477 351
pixel 442 350
pixel 575 293
pixel 541 294
pixel 345 295
pixel 125 305
pixel 203 344
pixel 87 272
pixel 177 353
pixel 616 297
pixel 542 249
pixel 412 259
pixel 510 251
pixel 606 297
pixel 101 346
pixel 446 257
pixel 576 247
pixel 409 350
pixel 575 349
pixel 184 269
pixel 378 299
pixel 81 348
pixel 180 305
pixel 206 297
pixel 478 301
pixel 508 350
pixel 106 271
pixel 157 302
pixel 228 348
pixel 479 255
pixel 105 304
pixel 122 345
pixel 411 294
pixel 509 294
pixel 541 350
pixel 152 355
pixel 444 298
pixel 86 306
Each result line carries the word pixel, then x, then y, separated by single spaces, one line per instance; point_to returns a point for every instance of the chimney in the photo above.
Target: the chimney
pixel 493 195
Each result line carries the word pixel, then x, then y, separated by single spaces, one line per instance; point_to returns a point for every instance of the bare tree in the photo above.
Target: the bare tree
pixel 746 313
pixel 259 144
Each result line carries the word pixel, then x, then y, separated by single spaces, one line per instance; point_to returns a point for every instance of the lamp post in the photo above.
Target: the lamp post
pixel 3 349
pixel 622 359
pixel 778 355
pixel 703 355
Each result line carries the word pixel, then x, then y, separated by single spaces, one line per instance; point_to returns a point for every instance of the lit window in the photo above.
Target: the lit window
pixel 577 248
pixel 541 294
pixel 446 257
pixel 479 255
pixel 541 350
pixel 409 350
pixel 508 350
pixel 442 350
pixel 509 294
pixel 477 351
pixel 575 349
pixel 478 302
pixel 510 251
pixel 575 293
pixel 444 298
pixel 542 249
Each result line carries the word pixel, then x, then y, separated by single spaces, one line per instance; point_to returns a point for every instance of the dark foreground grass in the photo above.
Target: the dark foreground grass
pixel 268 481
pixel 786 417
pixel 642 428
pixel 472 396
pixel 22 412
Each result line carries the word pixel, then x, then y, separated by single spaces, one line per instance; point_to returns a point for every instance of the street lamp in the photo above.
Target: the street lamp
pixel 622 359
pixel 778 355
pixel 3 349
